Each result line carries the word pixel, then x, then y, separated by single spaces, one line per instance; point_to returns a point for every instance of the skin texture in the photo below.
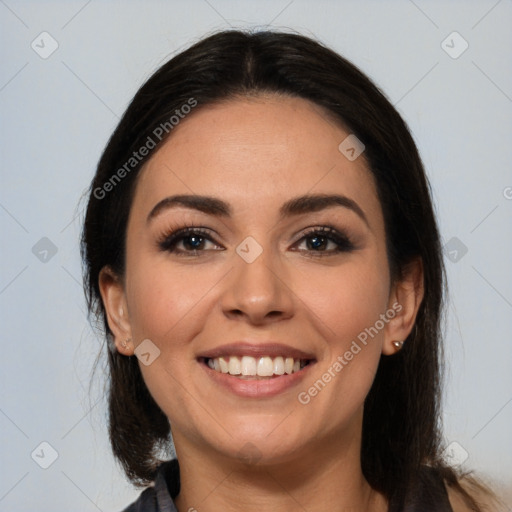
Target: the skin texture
pixel 255 154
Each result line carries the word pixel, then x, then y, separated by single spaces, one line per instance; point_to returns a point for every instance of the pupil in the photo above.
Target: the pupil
pixel 317 241
pixel 194 241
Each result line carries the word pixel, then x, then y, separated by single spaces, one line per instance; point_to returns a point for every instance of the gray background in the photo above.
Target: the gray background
pixel 57 114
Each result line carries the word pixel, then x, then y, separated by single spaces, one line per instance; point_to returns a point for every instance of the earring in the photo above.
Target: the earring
pixel 125 343
pixel 398 345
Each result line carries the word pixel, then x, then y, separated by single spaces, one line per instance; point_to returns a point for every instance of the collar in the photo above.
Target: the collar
pixel 167 485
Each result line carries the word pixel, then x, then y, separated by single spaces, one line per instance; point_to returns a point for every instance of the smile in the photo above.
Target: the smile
pixel 256 367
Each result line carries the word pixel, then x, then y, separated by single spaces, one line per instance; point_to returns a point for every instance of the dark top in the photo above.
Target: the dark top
pixel 429 496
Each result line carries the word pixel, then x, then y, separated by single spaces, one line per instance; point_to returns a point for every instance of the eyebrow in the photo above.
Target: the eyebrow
pixel 299 205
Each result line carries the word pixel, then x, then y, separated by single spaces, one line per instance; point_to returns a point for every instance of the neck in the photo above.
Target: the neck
pixel 327 477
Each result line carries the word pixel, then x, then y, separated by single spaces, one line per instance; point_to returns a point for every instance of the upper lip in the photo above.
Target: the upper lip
pixel 261 349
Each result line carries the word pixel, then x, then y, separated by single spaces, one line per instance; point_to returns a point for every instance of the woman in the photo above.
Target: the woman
pixel 261 248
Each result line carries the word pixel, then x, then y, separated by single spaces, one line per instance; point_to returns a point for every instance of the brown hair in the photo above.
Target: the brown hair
pixel 401 425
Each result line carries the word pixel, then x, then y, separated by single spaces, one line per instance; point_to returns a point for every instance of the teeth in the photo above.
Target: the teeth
pixel 248 365
pixel 288 365
pixel 265 367
pixel 224 366
pixel 279 366
pixel 234 366
pixel 261 367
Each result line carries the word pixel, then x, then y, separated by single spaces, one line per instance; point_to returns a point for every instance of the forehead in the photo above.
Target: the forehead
pixel 265 149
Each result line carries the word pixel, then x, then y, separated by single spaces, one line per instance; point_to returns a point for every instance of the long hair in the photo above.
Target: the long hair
pixel 401 424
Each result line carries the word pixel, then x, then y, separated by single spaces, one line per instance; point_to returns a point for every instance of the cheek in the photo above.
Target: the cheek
pixel 168 306
pixel 346 303
pixel 164 303
pixel 345 300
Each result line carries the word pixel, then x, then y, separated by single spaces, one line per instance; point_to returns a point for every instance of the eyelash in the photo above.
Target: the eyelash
pixel 168 241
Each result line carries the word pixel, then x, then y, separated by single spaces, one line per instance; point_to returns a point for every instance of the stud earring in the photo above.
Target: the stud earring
pixel 125 343
pixel 398 345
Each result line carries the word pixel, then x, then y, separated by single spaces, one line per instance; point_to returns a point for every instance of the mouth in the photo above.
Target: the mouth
pixel 255 368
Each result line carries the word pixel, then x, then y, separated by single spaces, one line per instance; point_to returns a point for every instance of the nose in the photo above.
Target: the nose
pixel 258 292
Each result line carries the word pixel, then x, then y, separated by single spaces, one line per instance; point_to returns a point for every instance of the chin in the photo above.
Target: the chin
pixel 261 445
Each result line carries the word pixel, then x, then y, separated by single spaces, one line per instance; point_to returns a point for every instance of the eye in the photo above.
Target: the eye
pixel 187 241
pixel 191 241
pixel 325 241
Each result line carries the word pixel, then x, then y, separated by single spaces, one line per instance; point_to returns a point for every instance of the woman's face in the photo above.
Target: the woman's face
pixel 285 258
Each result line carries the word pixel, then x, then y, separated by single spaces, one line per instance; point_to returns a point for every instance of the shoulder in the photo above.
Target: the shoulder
pixel 482 495
pixel 159 496
pixel 457 501
pixel 146 502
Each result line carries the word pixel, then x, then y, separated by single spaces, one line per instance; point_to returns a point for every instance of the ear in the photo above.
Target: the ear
pixel 114 301
pixel 404 302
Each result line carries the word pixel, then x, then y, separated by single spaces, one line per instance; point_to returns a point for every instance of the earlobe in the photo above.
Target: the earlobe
pixel 405 299
pixel 114 301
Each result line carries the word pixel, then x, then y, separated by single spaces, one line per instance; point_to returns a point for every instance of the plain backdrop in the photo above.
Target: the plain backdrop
pixel 68 71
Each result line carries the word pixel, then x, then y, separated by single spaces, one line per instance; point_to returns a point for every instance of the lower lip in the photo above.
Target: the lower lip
pixel 254 388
